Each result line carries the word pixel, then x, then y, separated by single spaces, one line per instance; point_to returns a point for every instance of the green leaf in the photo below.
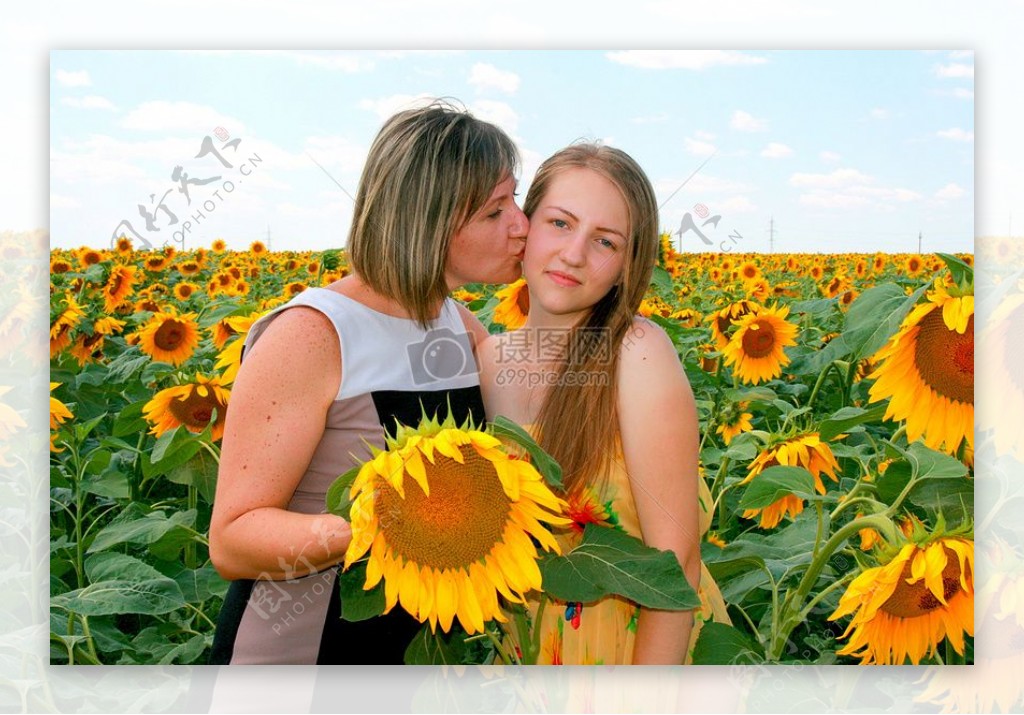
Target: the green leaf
pixel 437 648
pixel 844 419
pixel 338 501
pixel 875 316
pixel 109 566
pixel 357 604
pixel 891 484
pixel 216 314
pixel 146 530
pixel 112 483
pixel 126 366
pixel 609 561
pixel 662 279
pixel 172 449
pixel 722 644
pixel 201 584
pixel 130 421
pixel 953 498
pixel 963 274
pixel 775 483
pixel 503 427
pixel 200 471
pixel 930 464
pixel 150 596
pixel 187 652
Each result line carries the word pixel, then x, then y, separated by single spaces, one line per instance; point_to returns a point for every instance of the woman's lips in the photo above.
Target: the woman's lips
pixel 563 280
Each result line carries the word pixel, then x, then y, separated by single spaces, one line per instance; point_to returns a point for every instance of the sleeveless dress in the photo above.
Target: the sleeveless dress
pixel 391 369
pixel 603 632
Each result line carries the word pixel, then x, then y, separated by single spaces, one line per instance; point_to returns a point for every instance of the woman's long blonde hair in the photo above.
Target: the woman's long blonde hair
pixel 427 173
pixel 578 422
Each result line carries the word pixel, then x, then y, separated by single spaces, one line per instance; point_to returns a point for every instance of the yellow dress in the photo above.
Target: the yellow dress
pixel 603 632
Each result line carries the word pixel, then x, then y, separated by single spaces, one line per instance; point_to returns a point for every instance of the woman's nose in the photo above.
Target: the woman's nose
pixel 520 225
pixel 573 250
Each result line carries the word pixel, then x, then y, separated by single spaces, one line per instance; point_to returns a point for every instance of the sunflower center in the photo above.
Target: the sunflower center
pixel 195 411
pixel 759 339
pixel 913 600
pixel 115 284
pixel 459 523
pixel 945 358
pixel 169 335
pixel 523 301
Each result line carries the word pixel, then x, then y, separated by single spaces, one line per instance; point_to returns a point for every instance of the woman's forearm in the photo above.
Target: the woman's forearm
pixel 662 637
pixel 250 546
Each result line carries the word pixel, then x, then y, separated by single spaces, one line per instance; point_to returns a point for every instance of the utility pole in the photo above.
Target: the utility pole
pixel 919 242
pixel 771 235
pixel 268 237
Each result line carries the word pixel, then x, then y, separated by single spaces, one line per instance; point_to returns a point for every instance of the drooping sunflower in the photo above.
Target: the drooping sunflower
pixel 59 413
pixel 169 337
pixel 64 323
pixel 807 451
pixel 191 405
pixel 447 515
pixel 723 321
pixel 155 263
pixel 108 326
pixel 756 348
pixel 927 371
pixel 118 287
pixel 189 267
pixel 734 421
pixel 59 265
pixel 514 305
pixel 906 607
pixel 87 348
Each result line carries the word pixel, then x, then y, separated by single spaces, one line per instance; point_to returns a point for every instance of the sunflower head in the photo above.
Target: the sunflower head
pixel 169 337
pixel 756 348
pixel 447 515
pixel 513 306
pixel 196 405
pixel 907 606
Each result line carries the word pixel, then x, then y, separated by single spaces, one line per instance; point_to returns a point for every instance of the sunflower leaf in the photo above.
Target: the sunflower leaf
pixel 357 604
pixel 775 483
pixel 722 644
pixel 846 418
pixel 963 274
pixel 338 500
pixel 437 648
pixel 503 427
pixel 608 562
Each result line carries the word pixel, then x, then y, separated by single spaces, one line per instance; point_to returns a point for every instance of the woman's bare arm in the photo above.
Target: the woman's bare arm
pixel 275 420
pixel 658 424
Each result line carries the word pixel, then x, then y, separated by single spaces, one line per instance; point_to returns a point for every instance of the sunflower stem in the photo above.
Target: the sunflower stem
pixel 818 383
pixel 794 600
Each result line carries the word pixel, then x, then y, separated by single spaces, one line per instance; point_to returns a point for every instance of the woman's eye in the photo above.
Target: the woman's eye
pixel 495 214
pixel 605 243
pixel 559 223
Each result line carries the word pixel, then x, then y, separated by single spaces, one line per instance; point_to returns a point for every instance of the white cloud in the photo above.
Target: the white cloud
pixel 836 179
pixel 746 122
pixel 735 205
pixel 829 156
pixel 698 148
pixel 956 93
pixel 90 102
pixel 704 136
pixel 879 113
pixel 164 116
pixel 64 202
pixel 484 76
pixel 384 107
pixel 775 150
pixel 497 113
pixel 73 79
pixel 651 119
pixel 956 134
pixel 955 70
pixel 833 200
pixel 879 192
pixel 949 192
pixel 683 59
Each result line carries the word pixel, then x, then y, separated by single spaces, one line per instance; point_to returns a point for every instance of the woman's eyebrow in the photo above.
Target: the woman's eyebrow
pixel 574 217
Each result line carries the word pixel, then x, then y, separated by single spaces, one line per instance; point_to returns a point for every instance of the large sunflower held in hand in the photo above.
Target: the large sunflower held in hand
pixel 927 371
pixel 447 517
pixel 756 348
pixel 905 608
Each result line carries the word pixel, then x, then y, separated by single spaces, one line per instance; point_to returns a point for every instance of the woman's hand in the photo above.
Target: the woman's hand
pixel 658 424
pixel 276 419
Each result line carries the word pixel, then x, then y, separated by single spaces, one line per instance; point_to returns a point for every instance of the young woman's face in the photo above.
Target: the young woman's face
pixel 577 244
pixel 489 248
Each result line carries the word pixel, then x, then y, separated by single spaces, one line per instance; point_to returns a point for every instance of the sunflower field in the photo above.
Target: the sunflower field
pixel 836 403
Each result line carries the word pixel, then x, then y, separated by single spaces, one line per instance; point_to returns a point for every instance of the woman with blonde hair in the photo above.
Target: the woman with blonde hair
pixel 604 393
pixel 324 375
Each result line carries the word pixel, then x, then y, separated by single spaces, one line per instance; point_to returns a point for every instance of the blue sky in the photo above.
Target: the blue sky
pixel 845 150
